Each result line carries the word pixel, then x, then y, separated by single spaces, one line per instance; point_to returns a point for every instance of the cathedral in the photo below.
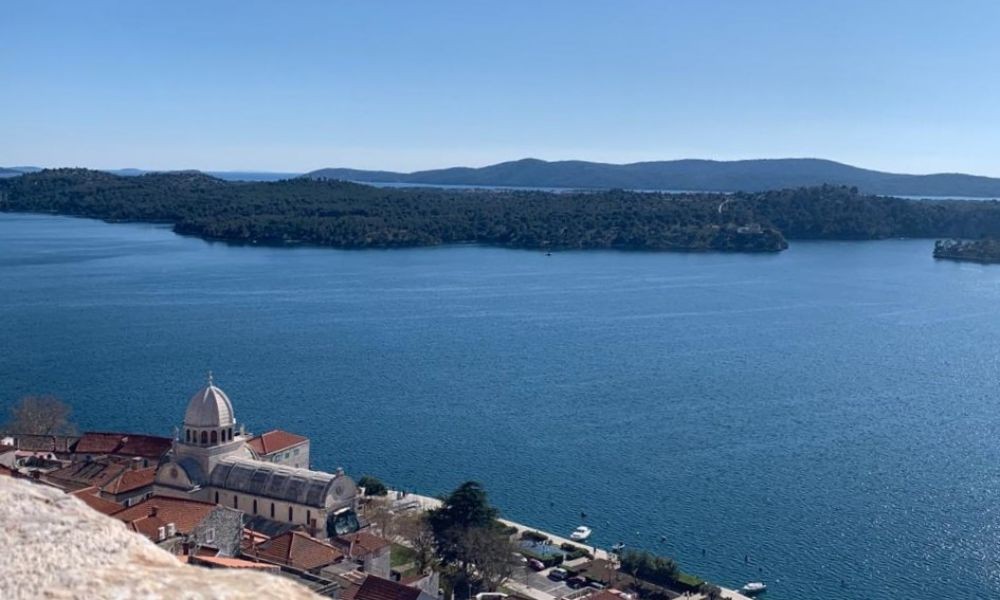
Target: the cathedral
pixel 212 460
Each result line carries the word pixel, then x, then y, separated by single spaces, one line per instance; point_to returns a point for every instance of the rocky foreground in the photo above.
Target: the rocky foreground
pixel 57 547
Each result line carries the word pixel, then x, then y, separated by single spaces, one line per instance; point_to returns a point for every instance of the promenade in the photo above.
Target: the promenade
pixel 527 585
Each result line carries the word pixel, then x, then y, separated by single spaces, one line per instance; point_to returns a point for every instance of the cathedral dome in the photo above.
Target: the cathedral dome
pixel 210 407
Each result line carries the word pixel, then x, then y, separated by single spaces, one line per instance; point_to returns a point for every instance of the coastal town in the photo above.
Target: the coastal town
pixel 219 497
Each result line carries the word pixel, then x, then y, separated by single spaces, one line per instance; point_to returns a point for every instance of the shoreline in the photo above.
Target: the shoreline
pixel 426 503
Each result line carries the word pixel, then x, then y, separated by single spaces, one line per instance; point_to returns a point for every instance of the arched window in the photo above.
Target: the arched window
pixel 236 501
pixel 272 510
pixel 289 514
pixel 230 434
pixel 255 506
pixel 215 437
pixel 216 497
pixel 204 437
pixel 187 435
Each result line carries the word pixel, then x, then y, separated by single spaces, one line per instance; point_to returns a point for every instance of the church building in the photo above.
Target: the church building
pixel 212 460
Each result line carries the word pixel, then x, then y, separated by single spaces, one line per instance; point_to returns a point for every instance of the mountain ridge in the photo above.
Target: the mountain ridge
pixel 683 175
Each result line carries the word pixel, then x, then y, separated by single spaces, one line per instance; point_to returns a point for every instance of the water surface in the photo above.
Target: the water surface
pixel 828 413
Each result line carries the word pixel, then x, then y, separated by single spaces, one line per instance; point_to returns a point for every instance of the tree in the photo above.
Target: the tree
pixel 492 554
pixel 711 592
pixel 41 415
pixel 465 507
pixel 372 485
pixel 417 533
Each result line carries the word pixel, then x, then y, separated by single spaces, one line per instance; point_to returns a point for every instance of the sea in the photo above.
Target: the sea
pixel 825 420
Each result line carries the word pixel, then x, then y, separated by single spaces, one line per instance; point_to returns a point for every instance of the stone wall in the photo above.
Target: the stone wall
pixel 57 547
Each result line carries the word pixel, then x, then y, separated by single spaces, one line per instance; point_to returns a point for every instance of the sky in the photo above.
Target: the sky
pixel 294 86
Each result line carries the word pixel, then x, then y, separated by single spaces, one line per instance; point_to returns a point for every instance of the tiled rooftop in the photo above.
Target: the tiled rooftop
pixel 274 441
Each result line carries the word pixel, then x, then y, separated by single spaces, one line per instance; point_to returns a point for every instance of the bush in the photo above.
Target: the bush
pixel 373 487
pixel 534 536
pixel 507 530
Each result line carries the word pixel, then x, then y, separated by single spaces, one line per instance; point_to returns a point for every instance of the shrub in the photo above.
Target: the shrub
pixel 534 536
pixel 373 487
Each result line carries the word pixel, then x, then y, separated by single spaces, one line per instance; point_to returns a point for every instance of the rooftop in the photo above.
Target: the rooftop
pixel 271 480
pixel 361 543
pixel 125 444
pixel 274 441
pixel 150 514
pixel 298 550
pixel 90 498
pixel 377 588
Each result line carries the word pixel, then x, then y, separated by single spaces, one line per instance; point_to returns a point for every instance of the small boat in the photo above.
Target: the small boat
pixel 753 588
pixel 580 534
pixel 617 548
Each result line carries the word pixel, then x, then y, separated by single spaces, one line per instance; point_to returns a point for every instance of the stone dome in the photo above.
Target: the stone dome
pixel 210 407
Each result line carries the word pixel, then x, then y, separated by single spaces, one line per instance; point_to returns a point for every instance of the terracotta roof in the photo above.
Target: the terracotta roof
pixel 230 563
pixel 90 498
pixel 361 543
pixel 92 473
pixel 125 444
pixel 131 479
pixel 152 513
pixel 274 441
pixel 350 583
pixel 376 588
pixel 298 550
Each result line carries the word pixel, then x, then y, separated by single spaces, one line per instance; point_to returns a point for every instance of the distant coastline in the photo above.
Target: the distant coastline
pixel 347 215
pixel 984 251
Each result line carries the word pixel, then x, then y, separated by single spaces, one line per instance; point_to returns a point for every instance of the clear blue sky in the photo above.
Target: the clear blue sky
pixel 909 86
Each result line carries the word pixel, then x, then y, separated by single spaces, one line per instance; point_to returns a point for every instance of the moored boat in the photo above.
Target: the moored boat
pixel 581 533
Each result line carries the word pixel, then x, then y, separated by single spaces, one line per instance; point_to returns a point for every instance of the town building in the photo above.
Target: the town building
pixel 281 447
pixel 211 460
pixel 183 526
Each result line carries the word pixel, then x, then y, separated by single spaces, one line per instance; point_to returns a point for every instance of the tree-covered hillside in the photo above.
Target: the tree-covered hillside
pixel 348 215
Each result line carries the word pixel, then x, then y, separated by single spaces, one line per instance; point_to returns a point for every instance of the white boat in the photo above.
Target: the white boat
pixel 581 533
pixel 752 588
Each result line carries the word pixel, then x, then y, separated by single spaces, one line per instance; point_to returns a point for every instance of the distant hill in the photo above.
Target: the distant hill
pixel 685 175
pixel 226 175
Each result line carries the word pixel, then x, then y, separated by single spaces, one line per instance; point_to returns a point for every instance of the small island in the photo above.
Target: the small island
pixel 986 250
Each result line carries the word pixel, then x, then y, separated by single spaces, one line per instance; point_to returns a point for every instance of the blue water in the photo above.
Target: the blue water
pixel 830 411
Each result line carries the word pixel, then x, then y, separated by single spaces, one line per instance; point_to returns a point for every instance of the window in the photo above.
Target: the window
pixel 255 506
pixel 236 501
pixel 204 437
pixel 272 510
pixel 187 436
pixel 210 535
pixel 295 452
pixel 289 514
pixel 230 434
pixel 216 497
pixel 309 517
pixel 215 437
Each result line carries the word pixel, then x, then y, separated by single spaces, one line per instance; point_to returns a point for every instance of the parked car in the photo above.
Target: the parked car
pixel 597 585
pixel 558 574
pixel 535 565
pixel 576 582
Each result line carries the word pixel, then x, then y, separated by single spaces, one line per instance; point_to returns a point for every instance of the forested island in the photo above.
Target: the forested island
pixel 986 250
pixel 349 215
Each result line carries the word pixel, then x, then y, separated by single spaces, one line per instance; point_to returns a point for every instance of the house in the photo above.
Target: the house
pixel 91 497
pixel 146 448
pixel 181 525
pixel 281 447
pixel 296 549
pixel 121 482
pixel 222 562
pixel 378 588
pixel 368 550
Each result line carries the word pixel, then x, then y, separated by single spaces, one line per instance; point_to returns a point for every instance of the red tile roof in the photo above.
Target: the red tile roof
pixel 298 550
pixel 90 498
pixel 230 563
pixel 130 480
pixel 92 473
pixel 125 444
pixel 152 513
pixel 361 543
pixel 376 588
pixel 274 441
